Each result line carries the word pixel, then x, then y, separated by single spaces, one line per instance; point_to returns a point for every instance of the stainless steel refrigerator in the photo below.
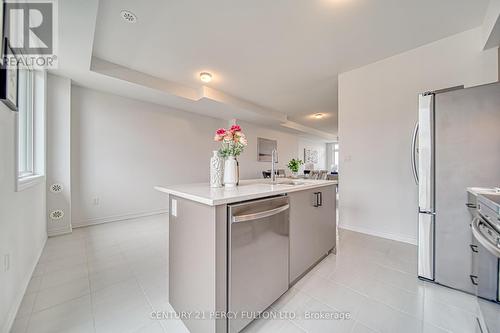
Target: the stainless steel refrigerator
pixel 456 144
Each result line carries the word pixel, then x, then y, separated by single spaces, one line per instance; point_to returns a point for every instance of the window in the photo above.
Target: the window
pixel 25 123
pixel 334 153
pixel 30 128
pixel 336 156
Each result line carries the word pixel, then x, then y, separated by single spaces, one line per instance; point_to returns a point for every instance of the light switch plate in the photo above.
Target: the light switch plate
pixel 174 207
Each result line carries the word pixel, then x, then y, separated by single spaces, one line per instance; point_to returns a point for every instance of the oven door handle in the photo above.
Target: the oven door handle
pixel 488 245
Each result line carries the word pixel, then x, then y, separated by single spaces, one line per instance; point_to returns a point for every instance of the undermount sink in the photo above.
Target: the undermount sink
pixel 284 182
pixel 291 182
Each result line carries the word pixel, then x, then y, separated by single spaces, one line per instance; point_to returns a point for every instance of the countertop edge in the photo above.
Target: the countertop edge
pixel 185 195
pixel 244 197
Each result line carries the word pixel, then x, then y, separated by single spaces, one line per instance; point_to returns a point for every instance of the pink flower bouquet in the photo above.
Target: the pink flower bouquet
pixel 232 140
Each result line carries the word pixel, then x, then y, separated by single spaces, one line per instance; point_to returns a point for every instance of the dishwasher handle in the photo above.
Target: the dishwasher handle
pixel 260 215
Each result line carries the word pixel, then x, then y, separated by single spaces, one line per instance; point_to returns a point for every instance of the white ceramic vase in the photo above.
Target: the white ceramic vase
pixel 216 170
pixel 230 172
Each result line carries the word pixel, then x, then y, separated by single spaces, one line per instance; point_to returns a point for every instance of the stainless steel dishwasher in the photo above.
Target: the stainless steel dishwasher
pixel 258 261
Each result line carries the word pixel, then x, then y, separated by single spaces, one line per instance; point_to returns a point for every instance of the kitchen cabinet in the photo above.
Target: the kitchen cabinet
pixel 208 255
pixel 312 228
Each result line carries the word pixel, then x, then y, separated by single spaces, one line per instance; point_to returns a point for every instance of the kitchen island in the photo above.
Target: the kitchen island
pixel 202 286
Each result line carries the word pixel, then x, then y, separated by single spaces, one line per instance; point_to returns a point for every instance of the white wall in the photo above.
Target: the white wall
pixel 377 113
pixel 287 149
pixel 121 148
pixel 22 224
pixel 58 152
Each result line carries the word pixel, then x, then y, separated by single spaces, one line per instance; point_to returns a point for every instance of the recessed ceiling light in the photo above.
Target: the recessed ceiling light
pixel 319 115
pixel 205 77
pixel 128 16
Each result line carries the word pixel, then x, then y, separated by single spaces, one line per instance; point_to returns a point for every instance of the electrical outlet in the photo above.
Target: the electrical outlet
pixel 6 262
pixel 174 207
pixel 96 201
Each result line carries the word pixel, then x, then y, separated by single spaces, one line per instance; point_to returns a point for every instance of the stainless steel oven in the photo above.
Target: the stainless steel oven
pixel 485 271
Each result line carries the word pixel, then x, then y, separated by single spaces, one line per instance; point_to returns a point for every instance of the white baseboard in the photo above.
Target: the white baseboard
pixel 58 232
pixel 396 237
pixel 11 317
pixel 115 218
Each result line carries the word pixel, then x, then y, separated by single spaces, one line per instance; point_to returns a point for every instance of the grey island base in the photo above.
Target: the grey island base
pixel 233 252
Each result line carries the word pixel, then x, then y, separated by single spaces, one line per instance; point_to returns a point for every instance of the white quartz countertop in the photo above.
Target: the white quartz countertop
pixel 247 190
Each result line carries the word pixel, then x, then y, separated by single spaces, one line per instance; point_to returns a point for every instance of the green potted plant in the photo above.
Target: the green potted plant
pixel 294 166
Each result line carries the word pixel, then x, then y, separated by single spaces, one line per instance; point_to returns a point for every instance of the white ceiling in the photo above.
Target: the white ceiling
pixel 281 55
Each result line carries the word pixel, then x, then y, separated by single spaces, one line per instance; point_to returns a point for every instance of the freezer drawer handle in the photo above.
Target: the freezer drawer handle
pixel 473 279
pixel 471 205
pixel 260 215
pixel 473 248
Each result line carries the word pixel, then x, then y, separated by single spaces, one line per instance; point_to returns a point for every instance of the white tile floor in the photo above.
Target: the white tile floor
pixel 109 278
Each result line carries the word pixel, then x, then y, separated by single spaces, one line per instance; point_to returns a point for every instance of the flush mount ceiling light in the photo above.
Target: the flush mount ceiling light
pixel 205 77
pixel 128 16
pixel 318 115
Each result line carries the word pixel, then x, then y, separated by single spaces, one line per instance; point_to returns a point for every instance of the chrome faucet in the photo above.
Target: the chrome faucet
pixel 274 157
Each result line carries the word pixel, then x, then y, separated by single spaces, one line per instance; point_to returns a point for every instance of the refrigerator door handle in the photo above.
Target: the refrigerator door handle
pixel 414 153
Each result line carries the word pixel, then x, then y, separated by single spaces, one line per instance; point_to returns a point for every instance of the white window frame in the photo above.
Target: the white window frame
pixel 30 171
